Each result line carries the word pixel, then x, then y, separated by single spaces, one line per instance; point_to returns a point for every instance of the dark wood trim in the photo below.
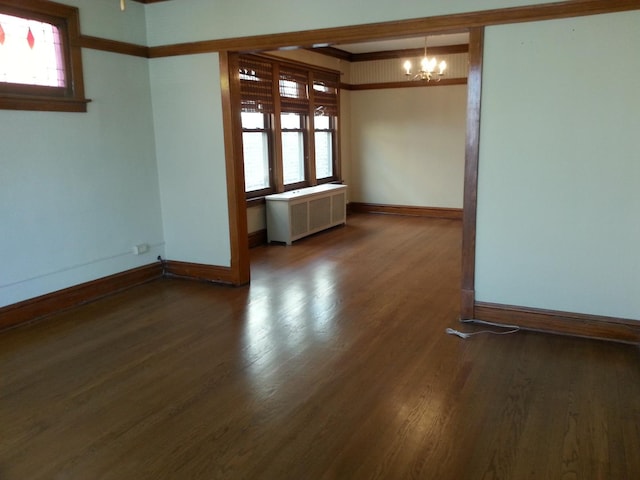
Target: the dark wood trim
pixel 254 201
pixel 562 323
pixel 258 238
pixel 236 196
pixel 46 104
pixel 405 28
pixel 388 54
pixel 114 46
pixel 432 212
pixel 276 165
pixel 467 303
pixel 38 307
pixel 198 271
pixel 445 82
pixel 472 155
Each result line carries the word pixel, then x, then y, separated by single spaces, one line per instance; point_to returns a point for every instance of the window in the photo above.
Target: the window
pixel 324 146
pixel 39 68
pixel 256 148
pixel 293 148
pixel 294 107
pixel 325 100
pixel 256 112
pixel 289 125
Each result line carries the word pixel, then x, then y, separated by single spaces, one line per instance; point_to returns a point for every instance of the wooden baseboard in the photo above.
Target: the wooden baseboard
pixel 467 304
pixel 197 271
pixel 35 308
pixel 562 323
pixel 432 212
pixel 258 238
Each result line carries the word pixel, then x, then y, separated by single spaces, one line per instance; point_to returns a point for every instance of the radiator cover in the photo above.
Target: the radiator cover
pixel 296 214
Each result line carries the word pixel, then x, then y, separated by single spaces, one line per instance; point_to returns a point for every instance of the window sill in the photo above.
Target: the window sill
pixel 260 200
pixel 45 104
pixel 252 202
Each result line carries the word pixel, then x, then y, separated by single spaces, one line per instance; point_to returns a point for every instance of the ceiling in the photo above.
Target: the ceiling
pixel 405 43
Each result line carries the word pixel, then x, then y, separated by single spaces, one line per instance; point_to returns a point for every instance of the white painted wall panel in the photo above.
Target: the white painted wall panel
pixel 78 190
pixel 103 18
pixel 558 199
pixel 407 146
pixel 191 20
pixel 187 113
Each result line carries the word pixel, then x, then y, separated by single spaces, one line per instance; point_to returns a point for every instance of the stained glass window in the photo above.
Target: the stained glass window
pixel 40 57
pixel 30 52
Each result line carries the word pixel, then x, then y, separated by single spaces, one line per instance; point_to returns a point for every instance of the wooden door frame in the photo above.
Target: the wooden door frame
pixel 240 261
pixel 473 22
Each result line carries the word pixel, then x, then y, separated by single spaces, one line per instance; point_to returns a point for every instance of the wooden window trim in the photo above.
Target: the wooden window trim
pixel 268 131
pixel 304 132
pixel 307 128
pixel 333 130
pixel 31 97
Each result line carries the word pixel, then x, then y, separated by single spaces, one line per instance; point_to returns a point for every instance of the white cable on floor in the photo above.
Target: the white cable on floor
pixel 513 329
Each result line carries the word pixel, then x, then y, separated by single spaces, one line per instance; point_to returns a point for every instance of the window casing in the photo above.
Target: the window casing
pixel 294 149
pixel 256 145
pixel 292 98
pixel 325 94
pixel 325 146
pixel 40 59
pixel 294 112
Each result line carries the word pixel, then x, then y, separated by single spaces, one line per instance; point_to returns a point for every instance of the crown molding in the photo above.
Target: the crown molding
pixel 388 54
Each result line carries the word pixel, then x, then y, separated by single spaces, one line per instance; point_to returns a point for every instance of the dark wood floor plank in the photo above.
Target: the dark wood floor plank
pixel 332 364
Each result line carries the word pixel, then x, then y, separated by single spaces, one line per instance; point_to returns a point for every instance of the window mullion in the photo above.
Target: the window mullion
pixel 311 134
pixel 335 136
pixel 278 175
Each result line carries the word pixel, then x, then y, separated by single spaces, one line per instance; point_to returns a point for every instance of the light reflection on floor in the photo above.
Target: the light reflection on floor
pixel 285 320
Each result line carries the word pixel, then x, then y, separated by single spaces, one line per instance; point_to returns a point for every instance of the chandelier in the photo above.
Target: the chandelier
pixel 430 69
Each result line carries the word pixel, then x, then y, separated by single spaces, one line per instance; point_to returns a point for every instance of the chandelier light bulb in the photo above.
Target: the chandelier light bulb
pixel 430 68
pixel 424 64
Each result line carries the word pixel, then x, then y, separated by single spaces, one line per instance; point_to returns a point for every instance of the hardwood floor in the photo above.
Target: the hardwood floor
pixel 332 364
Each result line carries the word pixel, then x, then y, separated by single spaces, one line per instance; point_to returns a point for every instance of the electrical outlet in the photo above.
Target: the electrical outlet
pixel 140 248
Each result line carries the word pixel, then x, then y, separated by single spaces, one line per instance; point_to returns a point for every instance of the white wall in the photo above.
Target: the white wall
pixel 559 197
pixel 187 115
pixel 103 18
pixel 191 20
pixel 407 146
pixel 78 190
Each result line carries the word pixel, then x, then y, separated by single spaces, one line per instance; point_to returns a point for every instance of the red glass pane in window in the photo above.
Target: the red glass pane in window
pixel 30 39
pixel 1 35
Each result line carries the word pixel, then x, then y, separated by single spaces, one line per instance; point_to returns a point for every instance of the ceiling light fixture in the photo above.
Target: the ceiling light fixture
pixel 122 5
pixel 430 69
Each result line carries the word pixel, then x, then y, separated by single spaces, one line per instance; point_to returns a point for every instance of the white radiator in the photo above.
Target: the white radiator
pixel 296 214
